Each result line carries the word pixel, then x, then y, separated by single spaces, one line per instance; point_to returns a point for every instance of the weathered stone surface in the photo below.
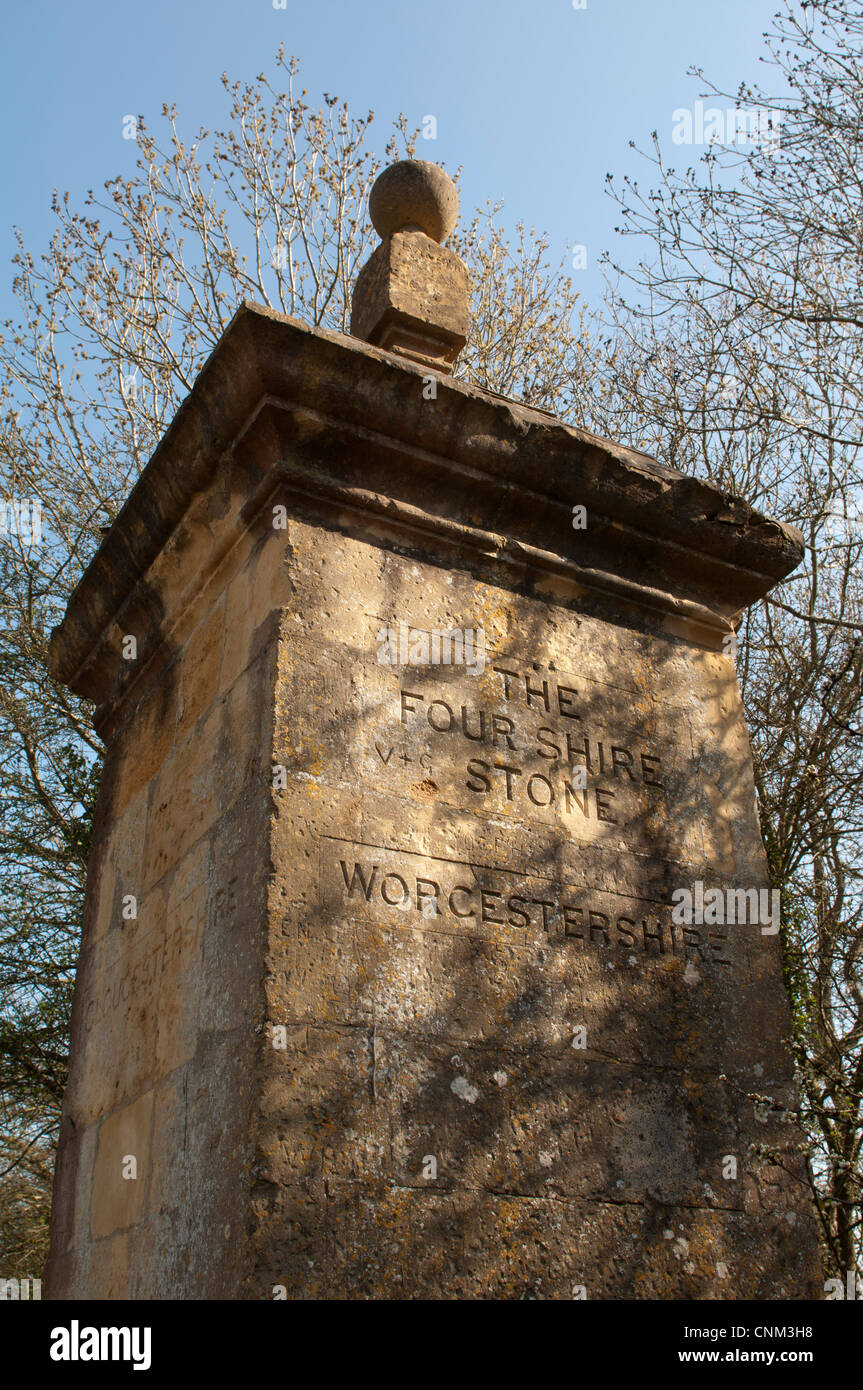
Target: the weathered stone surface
pixel 420 939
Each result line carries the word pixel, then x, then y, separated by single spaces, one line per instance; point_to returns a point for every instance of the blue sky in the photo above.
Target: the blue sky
pixel 536 100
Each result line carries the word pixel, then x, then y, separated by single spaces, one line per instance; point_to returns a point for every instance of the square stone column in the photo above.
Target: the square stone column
pixel 381 991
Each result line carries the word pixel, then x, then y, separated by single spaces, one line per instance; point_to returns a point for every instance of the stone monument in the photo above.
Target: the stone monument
pixel 402 972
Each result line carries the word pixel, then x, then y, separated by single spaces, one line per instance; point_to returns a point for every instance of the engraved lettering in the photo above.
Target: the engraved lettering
pixel 357 875
pixel 476 774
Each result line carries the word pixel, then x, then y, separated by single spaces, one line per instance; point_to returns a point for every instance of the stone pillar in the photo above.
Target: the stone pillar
pixel 382 991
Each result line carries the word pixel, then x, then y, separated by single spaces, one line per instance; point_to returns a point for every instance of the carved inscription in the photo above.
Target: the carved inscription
pixel 130 981
pixel 539 746
pixel 432 894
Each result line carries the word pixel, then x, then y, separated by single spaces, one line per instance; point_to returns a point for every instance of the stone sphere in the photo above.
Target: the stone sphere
pixel 414 193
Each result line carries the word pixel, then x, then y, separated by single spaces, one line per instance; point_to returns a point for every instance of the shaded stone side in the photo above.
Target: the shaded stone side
pixel 167 1003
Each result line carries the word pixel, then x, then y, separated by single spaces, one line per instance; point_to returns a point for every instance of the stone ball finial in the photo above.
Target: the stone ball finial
pixel 414 193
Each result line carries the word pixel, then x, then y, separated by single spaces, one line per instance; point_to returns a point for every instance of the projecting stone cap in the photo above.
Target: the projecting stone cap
pixel 413 296
pixel 344 433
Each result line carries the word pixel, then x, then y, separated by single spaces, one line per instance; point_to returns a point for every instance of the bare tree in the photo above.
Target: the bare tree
pixel 738 339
